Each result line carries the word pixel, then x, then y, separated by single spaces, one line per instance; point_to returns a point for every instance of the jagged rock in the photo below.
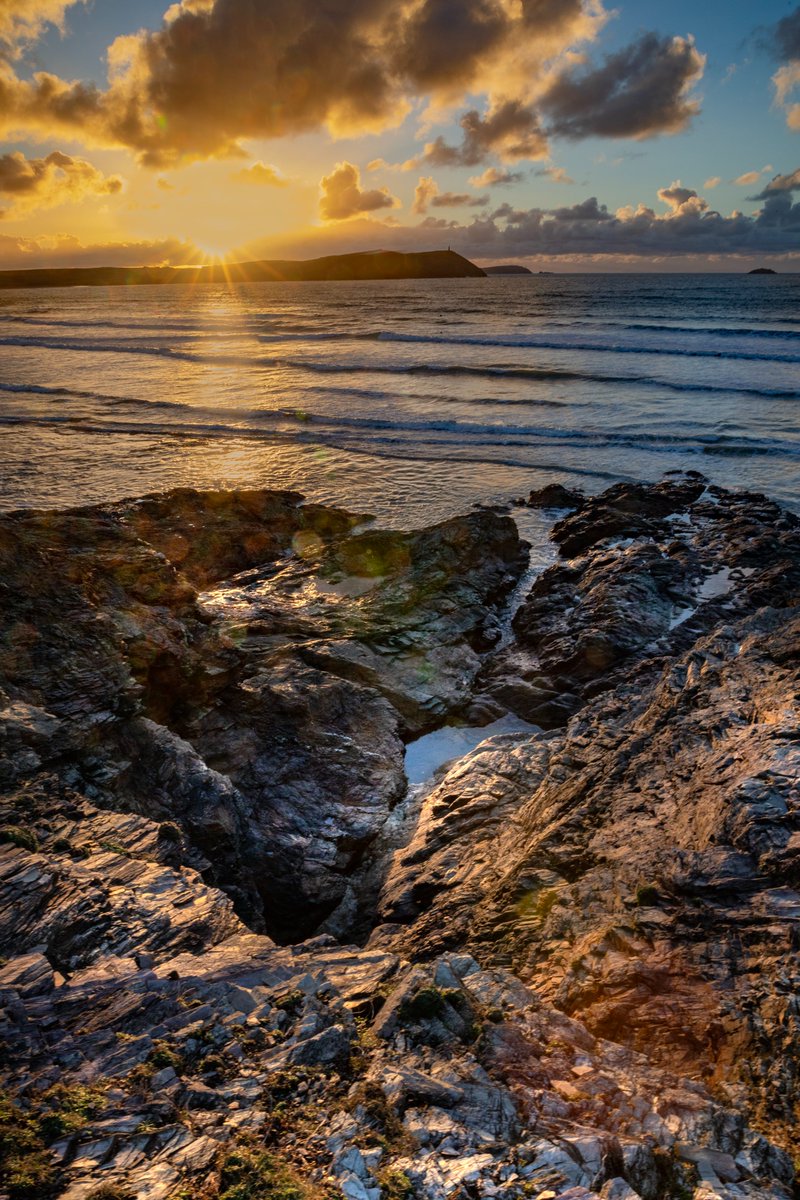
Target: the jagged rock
pixel 649 570
pixel 580 982
pixel 265 716
pixel 555 495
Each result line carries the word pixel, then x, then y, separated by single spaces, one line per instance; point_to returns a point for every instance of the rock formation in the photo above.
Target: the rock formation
pixel 239 960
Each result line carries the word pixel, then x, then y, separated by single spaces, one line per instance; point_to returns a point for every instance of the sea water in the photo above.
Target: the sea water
pixel 412 400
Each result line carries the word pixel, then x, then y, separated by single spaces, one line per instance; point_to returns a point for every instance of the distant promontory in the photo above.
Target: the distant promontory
pixel 507 269
pixel 378 264
pixel 762 271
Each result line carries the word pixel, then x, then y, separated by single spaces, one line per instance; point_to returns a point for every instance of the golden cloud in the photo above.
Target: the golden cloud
pixel 260 174
pixel 23 20
pixel 342 197
pixel 34 183
pixel 65 250
pixel 427 195
pixel 217 71
pixel 786 82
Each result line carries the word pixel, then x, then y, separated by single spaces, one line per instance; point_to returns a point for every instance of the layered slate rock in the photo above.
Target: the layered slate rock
pixel 643 571
pixel 579 981
pixel 266 717
pixel 639 867
pixel 172 1051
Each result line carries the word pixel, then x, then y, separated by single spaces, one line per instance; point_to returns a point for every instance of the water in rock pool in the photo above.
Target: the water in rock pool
pixel 408 399
pixel 427 754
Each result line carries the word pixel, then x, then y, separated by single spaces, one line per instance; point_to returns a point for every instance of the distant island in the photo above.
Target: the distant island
pixel 762 271
pixel 377 264
pixel 507 269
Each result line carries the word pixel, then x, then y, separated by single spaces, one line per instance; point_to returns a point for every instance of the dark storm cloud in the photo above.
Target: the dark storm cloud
pixel 640 91
pixel 511 130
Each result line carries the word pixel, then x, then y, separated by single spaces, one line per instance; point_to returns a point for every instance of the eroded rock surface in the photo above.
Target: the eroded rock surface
pixel 580 981
pixel 267 719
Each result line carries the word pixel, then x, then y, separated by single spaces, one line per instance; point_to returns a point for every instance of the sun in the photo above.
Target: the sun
pixel 212 254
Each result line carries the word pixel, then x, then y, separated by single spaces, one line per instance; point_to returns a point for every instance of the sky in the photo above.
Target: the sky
pixel 562 134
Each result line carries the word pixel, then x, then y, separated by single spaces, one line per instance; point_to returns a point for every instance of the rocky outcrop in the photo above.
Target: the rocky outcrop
pixel 645 571
pixel 169 1049
pixel 576 971
pixel 638 868
pixel 264 716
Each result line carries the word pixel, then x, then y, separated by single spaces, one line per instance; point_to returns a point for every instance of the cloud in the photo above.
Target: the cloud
pixel 640 91
pixel 444 43
pixel 259 173
pixel 427 195
pixel 713 182
pixel 587 210
pixel 784 42
pixel 510 130
pixel 45 106
pixel 557 174
pixel 496 177
pixel 63 250
pixel 780 184
pixel 424 192
pixel 380 164
pixel 786 37
pixel 342 197
pixel 458 200
pixel 22 21
pixel 689 227
pixel 218 71
pixel 786 81
pixel 34 183
pixel 681 200
pixel 748 178
pixel 687 232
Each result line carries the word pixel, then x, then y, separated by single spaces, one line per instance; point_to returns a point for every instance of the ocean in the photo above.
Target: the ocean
pixel 412 400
